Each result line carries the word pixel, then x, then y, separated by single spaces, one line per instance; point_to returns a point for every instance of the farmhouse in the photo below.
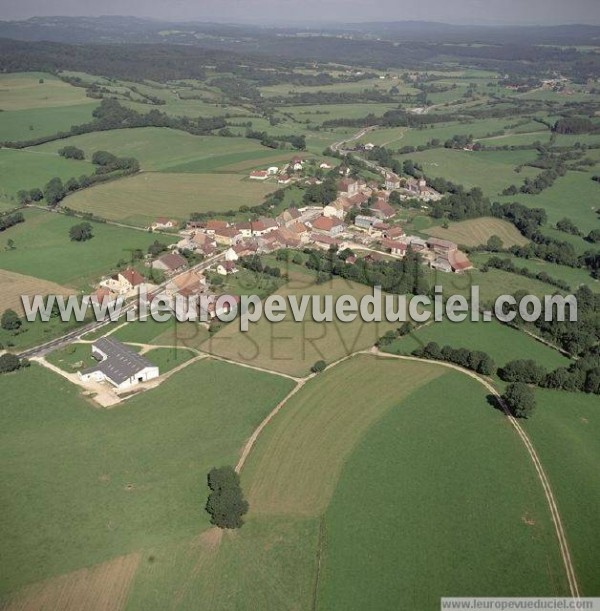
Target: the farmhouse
pixel 330 226
pixel 395 247
pixel 288 217
pixel 348 187
pixel 213 226
pixel 123 282
pixel 365 222
pixel 163 223
pixel 296 164
pixel 272 171
pixel 227 236
pixel 382 209
pixel 284 179
pixel 170 263
pixel 227 267
pixel 118 364
pixel 188 284
pixel 259 175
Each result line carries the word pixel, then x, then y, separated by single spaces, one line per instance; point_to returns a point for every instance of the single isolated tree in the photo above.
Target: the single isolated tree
pixel 10 320
pixel 9 362
pixel 318 367
pixel 226 503
pixel 81 232
pixel 520 399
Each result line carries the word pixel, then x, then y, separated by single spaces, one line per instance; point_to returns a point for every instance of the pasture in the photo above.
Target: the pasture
pixel 25 90
pixel 478 231
pixel 122 480
pixel 44 250
pixel 163 149
pixel 566 434
pixel 293 347
pixel 139 199
pixel 501 342
pixel 492 171
pixel 32 123
pixel 437 499
pixel 25 169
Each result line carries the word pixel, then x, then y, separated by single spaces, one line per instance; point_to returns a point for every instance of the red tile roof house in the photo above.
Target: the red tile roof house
pixel 284 179
pixel 228 236
pixel 392 181
pixel 348 186
pixel 227 267
pixel 171 263
pixel 103 296
pixel 324 241
pixel 259 175
pixel 396 248
pixel 330 226
pixel 382 209
pixel 459 262
pixel 394 232
pixel 124 281
pixel 212 226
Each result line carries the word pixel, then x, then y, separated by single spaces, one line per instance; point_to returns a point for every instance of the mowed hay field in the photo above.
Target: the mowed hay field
pixel 478 231
pixel 439 498
pixel 293 347
pixel 139 199
pixel 83 486
pixel 12 286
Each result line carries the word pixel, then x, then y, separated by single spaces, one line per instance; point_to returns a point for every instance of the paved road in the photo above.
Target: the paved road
pixel 74 335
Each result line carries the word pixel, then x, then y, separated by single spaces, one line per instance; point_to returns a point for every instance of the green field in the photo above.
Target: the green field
pixel 21 90
pixel 140 199
pixel 501 342
pixel 167 359
pixel 161 149
pixel 25 169
pixel 566 434
pixel 45 251
pixel 571 275
pixel 438 499
pixel 32 123
pixel 120 480
pixel 492 171
pixel 574 195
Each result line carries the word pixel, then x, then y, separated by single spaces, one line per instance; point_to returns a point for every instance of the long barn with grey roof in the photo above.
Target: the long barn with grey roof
pixel 118 364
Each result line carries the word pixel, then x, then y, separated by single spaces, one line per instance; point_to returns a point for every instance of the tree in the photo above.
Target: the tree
pixel 593 236
pixel 72 184
pixel 36 194
pixel 10 320
pixel 226 504
pixel 81 232
pixel 318 367
pixel 54 191
pixel 71 152
pixel 10 244
pixel 23 197
pixel 9 362
pixel 523 370
pixel 520 399
pixel 495 244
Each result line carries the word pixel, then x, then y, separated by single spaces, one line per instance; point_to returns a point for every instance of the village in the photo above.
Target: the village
pixel 360 219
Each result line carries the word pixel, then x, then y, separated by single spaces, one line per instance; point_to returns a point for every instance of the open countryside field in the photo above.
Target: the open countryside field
pixel 24 169
pixel 566 434
pixel 163 149
pixel 21 90
pixel 478 231
pixel 501 342
pixel 134 468
pixel 574 195
pixel 139 199
pixel 32 123
pixel 492 171
pixel 293 347
pixel 68 263
pixel 325 112
pixel 442 456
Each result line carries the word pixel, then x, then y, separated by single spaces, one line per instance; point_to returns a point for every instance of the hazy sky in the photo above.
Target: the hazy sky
pixel 282 11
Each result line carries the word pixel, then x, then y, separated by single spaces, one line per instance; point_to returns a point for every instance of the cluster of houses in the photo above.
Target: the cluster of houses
pixel 287 173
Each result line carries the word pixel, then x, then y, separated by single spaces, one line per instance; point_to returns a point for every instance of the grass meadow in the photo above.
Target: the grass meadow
pixel 44 250
pixel 478 231
pixel 121 480
pixel 138 200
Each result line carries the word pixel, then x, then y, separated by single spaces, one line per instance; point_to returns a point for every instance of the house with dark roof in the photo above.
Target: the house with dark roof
pixel 118 365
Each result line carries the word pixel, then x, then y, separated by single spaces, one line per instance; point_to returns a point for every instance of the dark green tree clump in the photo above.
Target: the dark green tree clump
pixel 226 503
pixel 10 320
pixel 71 152
pixel 10 362
pixel 520 399
pixel 81 232
pixel 524 370
pixel 318 367
pixel 475 360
